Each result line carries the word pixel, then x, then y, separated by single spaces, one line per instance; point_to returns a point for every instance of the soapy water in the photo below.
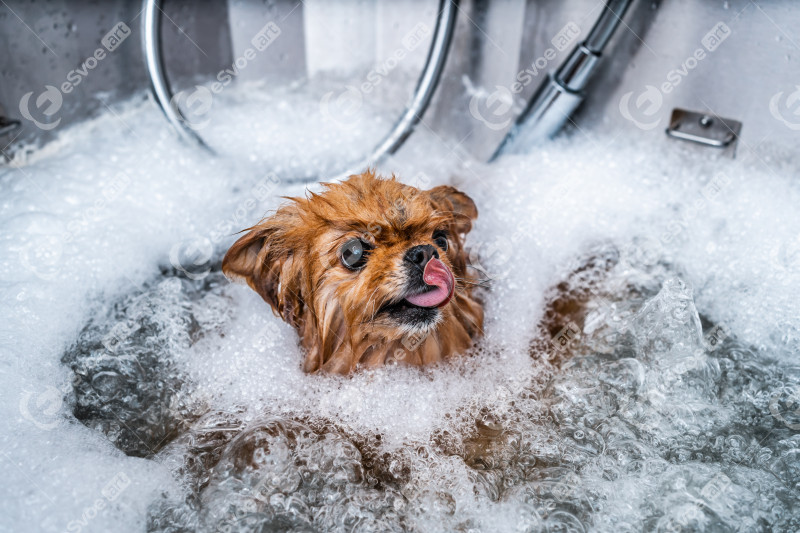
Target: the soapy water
pixel 638 369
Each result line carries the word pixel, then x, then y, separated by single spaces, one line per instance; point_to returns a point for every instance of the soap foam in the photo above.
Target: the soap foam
pixel 647 422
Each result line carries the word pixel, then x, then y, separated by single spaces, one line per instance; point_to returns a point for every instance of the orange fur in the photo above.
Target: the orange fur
pixel 292 260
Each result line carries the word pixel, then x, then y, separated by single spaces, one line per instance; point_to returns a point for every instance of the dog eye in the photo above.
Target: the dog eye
pixel 354 254
pixel 440 240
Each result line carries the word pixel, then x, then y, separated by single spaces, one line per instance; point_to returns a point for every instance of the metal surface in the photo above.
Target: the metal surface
pixel 703 128
pixel 606 25
pixel 151 42
pixel 548 110
pixel 562 92
pixel 646 68
pixel 745 72
pixel 577 70
pixel 47 44
pixel 426 86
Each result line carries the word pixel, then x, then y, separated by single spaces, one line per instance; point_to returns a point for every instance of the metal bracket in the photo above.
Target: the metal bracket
pixel 703 128
pixel 563 91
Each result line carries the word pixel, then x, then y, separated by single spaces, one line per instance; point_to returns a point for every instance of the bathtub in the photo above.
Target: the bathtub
pixel 143 391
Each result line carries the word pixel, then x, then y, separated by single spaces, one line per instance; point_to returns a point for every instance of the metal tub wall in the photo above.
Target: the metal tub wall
pixel 46 42
pixel 747 74
pixel 658 60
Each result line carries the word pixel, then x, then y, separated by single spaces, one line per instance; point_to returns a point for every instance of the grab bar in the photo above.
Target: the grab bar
pixel 423 93
pixel 154 61
pixel 402 129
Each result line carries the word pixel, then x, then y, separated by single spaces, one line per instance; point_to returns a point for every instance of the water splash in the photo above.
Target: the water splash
pixel 638 368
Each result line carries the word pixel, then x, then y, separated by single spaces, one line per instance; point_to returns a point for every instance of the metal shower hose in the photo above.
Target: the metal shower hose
pixel 402 129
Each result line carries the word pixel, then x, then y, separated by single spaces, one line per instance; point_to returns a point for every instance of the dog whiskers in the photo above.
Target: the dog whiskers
pixel 371 296
pixel 375 308
pixel 480 283
pixel 478 324
pixel 312 261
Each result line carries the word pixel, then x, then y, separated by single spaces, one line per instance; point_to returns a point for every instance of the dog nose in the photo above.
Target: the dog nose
pixel 420 255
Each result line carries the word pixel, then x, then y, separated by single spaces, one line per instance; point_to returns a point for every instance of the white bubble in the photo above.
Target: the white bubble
pixel 642 400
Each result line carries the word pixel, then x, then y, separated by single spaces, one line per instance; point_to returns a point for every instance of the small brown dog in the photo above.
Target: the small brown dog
pixel 369 271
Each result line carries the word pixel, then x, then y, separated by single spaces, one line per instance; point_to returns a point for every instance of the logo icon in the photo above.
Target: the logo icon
pixel 492 258
pixel 192 257
pixel 788 110
pixel 194 106
pixel 47 104
pixel 41 409
pixel 344 107
pixel 494 110
pixel 43 256
pixel 786 255
pixel 642 111
pixel 785 407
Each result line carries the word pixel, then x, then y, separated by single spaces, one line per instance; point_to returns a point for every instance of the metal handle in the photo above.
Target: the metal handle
pixel 562 92
pixel 423 93
pixel 154 61
pixel 402 129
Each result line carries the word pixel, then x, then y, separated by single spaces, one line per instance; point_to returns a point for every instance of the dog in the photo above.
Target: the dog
pixel 369 272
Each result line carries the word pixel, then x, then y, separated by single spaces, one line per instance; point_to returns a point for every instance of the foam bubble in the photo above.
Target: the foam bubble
pixel 675 408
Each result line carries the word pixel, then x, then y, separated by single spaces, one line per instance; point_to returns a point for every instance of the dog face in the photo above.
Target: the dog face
pixel 369 271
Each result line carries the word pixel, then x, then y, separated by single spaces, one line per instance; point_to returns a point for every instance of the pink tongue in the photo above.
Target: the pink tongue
pixel 439 276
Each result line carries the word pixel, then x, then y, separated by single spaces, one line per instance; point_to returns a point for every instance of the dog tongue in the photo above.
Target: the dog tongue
pixel 437 275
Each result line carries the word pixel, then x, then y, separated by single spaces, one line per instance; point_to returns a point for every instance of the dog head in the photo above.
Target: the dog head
pixel 369 271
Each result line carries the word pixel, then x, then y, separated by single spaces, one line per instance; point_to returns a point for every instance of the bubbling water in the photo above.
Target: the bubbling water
pixel 637 372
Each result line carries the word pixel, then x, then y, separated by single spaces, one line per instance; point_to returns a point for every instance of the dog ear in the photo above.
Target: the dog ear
pixel 463 208
pixel 266 259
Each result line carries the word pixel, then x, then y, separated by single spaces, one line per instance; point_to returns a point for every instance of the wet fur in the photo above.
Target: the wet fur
pixel 291 259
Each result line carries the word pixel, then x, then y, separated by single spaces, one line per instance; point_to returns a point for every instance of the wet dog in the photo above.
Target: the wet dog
pixel 369 272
